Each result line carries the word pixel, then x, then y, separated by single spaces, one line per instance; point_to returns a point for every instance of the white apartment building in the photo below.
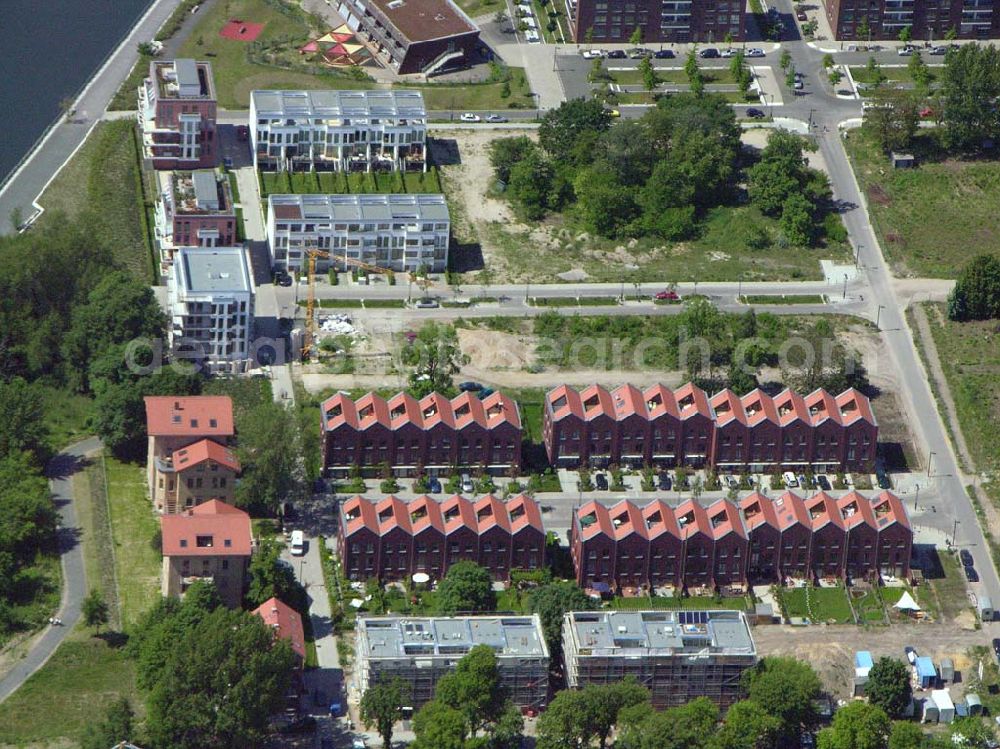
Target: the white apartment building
pixel 399 232
pixel 210 295
pixel 338 130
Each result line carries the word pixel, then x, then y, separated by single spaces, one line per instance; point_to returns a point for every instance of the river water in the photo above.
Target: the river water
pixel 48 51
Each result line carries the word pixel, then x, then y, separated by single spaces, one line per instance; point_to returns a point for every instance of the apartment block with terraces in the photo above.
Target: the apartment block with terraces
pixel 177 115
pixel 392 539
pixel 757 432
pixel 433 434
pixel 189 456
pixel 729 545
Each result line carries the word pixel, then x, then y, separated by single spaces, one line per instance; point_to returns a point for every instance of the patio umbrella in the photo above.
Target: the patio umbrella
pixel 310 47
pixel 906 603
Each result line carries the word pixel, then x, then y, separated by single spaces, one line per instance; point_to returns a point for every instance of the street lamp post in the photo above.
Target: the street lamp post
pixel 916 499
pixel 878 315
pixel 857 256
pixel 845 287
pixel 930 457
pixel 954 532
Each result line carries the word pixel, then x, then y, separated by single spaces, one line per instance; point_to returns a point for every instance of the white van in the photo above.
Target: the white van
pixel 298 544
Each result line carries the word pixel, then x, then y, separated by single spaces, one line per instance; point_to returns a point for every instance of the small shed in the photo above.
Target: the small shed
pixel 925 672
pixel 985 606
pixel 863 663
pixel 858 685
pixel 903 160
pixel 930 712
pixel 947 670
pixel 974 704
pixel 764 613
pixel 946 708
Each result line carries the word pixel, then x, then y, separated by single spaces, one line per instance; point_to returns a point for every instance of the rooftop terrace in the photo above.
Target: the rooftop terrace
pixel 448 637
pixel 659 633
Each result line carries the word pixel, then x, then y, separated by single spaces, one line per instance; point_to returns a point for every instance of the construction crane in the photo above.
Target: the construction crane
pixel 315 253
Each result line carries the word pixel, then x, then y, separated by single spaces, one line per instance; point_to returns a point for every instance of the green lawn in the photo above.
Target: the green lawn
pixel 236 76
pixel 720 252
pixel 67 416
pixel 583 301
pixel 137 560
pixel 98 551
pixel 868 607
pixel 930 219
pixel 475 8
pixel 642 603
pixel 783 299
pixel 948 592
pixel 57 703
pixel 39 599
pixel 897 75
pixel 969 353
pixel 352 182
pixel 633 77
pixel 818 604
pixel 100 183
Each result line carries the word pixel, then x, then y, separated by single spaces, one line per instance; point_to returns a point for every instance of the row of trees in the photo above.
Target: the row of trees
pixel 976 295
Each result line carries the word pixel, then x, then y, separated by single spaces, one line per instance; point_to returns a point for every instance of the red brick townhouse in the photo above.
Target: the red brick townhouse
pixel 393 539
pixel 434 434
pixel 731 545
pixel 757 432
pixel 177 114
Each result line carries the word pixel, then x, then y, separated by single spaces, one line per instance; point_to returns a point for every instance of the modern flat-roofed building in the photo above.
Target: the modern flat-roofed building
pixel 213 542
pixel 194 209
pixel 707 21
pixel 393 539
pixel 677 655
pixel 399 232
pixel 927 20
pixel 210 294
pixel 341 131
pixel 414 36
pixel 177 115
pixel 433 434
pixel 755 432
pixel 421 651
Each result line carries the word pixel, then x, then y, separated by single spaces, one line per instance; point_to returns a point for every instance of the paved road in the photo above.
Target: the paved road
pixel 60 474
pixel 62 140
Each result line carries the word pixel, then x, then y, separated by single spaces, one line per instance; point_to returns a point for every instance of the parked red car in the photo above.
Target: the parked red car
pixel 667 295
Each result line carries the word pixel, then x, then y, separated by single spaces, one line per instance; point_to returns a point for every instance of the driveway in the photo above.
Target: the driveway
pixel 60 473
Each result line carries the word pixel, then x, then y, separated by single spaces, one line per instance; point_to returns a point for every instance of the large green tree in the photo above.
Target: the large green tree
pixel 272 577
pixel 976 295
pixel 893 118
pixel 889 686
pixel 95 609
pixel 434 356
pixel 22 414
pixel 466 587
pixel 969 90
pixel 530 185
pixel 382 705
pixel 551 601
pixel 120 309
pixel 268 451
pixel 689 726
pixel 506 152
pixel 438 726
pixel 747 726
pixel 857 725
pixel 569 132
pixel 787 689
pixel 906 735
pixel 603 205
pixel 222 680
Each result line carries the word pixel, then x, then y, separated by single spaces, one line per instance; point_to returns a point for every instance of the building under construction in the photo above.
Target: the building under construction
pixel 676 655
pixel 421 651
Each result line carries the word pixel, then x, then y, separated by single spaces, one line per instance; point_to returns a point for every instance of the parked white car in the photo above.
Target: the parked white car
pixel 754 52
pixel 470 117
pixel 593 54
pixel 790 481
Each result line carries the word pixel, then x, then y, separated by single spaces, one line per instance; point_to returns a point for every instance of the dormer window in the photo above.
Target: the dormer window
pixel 484 513
pixel 588 520
pixel 204 542
pixel 367 411
pixel 334 412
pixel 559 402
pixel 591 403
pixel 397 412
pixel 462 410
pixel 451 513
pixel 686 402
pixel 655 519
pixel 620 519
pixel 517 512
pixel 655 402
pixel 385 515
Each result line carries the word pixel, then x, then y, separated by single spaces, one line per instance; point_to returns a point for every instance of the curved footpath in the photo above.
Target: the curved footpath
pixel 62 139
pixel 60 473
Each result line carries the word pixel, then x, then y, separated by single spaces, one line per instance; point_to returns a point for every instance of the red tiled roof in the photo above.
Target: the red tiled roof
pixel 699 522
pixel 403 409
pixel 698 402
pixel 227 528
pixel 426 512
pixel 790 509
pixel 602 520
pixel 765 511
pixel 791 406
pixel 626 519
pixel 890 509
pixel 201 451
pixel 286 623
pixel 667 520
pixel 822 509
pixel 728 407
pixel 189 416
pixel 628 401
pixel 855 510
pixel 854 407
pixel 724 519
pixel 759 407
pixel 660 401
